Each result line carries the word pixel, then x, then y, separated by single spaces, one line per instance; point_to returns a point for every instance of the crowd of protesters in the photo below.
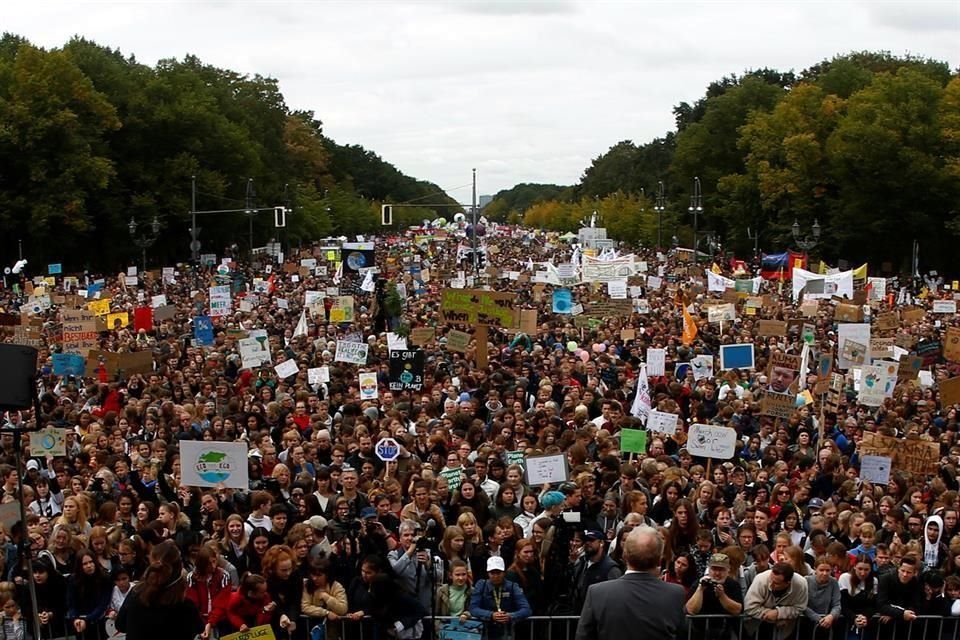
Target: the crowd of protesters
pixel 784 533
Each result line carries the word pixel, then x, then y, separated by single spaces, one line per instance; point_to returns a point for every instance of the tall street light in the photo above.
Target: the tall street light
pixel 144 241
pixel 806 243
pixel 659 208
pixel 696 208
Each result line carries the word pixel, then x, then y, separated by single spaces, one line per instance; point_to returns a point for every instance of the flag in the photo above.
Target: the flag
pixel 689 326
pixel 716 268
pixel 301 329
pixel 271 283
pixel 860 277
pixel 772 265
pixel 822 269
pixel 641 402
pixel 804 365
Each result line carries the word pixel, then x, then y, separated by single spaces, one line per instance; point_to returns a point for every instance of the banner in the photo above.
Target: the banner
pixel 601 270
pixel 68 364
pixel 476 306
pixel 641 402
pixel 214 464
pixel 406 369
pixel 838 284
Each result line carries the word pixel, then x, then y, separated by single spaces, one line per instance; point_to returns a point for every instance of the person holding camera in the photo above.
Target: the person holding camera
pixel 411 562
pixel 716 594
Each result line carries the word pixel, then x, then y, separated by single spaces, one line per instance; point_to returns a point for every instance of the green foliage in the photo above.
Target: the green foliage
pixel 90 138
pixel 509 204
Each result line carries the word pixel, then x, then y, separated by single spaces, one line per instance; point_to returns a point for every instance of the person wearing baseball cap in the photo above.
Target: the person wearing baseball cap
pixel 716 594
pixel 498 602
pixel 593 566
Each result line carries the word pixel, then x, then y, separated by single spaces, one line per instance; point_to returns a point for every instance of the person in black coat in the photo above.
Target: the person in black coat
pixel 51 591
pixel 88 596
pixel 899 596
pixel 157 608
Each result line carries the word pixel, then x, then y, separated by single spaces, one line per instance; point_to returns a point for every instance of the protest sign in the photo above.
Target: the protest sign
pixel 517 457
pixel 702 367
pixel 722 313
pixel 875 469
pixel 778 405
pixel 318 375
pixel 711 441
pixel 768 328
pixel 546 469
pixel 784 372
pixel 166 312
pixel 910 315
pixel 406 369
pixel 203 331
pixel 951 344
pixel 633 441
pixel 368 386
pixel 920 457
pixel 458 341
pixel 853 353
pixel 887 321
pixel 662 422
pixel 143 319
pixel 214 464
pixel 50 441
pixel 254 352
pixel 99 307
pixel 562 301
pixel 221 301
pixel 945 306
pixel 736 356
pixel 476 306
pixel 422 336
pixel 656 362
pixel 117 320
pixel 454 478
pixel 342 309
pixel 68 364
pixel 79 331
pixel 874 385
pixel 881 348
pixel 287 368
pixel 351 352
pixel 617 289
pixel 950 392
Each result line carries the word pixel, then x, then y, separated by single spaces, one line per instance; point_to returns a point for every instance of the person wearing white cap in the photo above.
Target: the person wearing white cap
pixel 498 602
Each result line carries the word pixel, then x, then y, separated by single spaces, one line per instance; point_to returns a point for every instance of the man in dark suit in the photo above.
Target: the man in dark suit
pixel 638 605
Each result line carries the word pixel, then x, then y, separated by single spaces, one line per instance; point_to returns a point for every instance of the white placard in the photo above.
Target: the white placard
pixel 368 386
pixel 311 297
pixel 662 422
pixel 654 282
pixel 546 469
pixel 254 352
pixel 702 367
pixel 617 289
pixel 351 352
pixel 287 368
pixel 282 303
pixel 656 362
pixel 318 375
pixel 220 301
pixel 213 464
pixel 711 441
pixel 567 271
pixel 576 309
pixel 158 301
pixel 944 306
pixel 858 332
pixel 875 469
pixel 395 342
pixel 722 313
pixel 48 442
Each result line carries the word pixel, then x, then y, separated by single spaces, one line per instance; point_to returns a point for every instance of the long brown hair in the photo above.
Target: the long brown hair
pixel 163 583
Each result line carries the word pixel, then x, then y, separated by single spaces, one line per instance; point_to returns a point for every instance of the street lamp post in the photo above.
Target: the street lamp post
pixel 658 207
pixel 696 208
pixel 806 243
pixel 755 236
pixel 144 241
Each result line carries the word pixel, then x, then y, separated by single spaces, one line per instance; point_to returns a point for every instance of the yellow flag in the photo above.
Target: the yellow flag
pixel 716 269
pixel 860 272
pixel 823 268
pixel 689 326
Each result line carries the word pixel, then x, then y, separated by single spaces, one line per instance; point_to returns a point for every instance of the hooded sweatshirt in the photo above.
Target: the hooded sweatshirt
pixel 934 553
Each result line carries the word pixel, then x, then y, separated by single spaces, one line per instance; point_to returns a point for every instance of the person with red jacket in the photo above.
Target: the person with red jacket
pixel 249 606
pixel 208 586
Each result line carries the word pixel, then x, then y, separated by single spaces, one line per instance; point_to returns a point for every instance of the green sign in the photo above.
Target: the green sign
pixel 453 479
pixel 633 441
pixel 515 457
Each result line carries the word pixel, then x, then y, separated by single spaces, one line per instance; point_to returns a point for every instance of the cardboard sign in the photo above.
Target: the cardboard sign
pixel 950 392
pixel 768 328
pixel 808 308
pixel 848 313
pixel 48 442
pixel 422 336
pixel 912 314
pixel 919 457
pixel 458 341
pixel 909 367
pixel 887 321
pixel 778 405
pixel 528 321
pixel 881 348
pixel 951 344
pixel 79 331
pixel 854 352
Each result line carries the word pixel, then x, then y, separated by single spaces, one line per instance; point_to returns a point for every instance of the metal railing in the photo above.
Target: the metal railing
pixel 699 627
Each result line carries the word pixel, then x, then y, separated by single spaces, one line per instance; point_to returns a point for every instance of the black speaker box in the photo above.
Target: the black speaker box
pixel 18 371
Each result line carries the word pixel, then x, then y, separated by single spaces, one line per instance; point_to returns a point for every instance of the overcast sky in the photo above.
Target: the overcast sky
pixel 523 91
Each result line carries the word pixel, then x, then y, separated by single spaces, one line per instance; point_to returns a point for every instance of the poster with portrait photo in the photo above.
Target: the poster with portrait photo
pixel 783 374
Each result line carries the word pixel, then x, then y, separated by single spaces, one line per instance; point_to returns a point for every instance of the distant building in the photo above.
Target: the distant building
pixel 483 201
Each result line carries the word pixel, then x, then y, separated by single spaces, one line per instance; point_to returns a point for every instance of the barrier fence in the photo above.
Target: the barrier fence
pixel 699 627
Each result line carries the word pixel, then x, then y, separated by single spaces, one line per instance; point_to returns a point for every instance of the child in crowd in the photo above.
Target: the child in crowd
pixel 122 584
pixel 11 622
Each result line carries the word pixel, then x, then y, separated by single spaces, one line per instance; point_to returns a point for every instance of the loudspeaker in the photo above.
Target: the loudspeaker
pixel 18 371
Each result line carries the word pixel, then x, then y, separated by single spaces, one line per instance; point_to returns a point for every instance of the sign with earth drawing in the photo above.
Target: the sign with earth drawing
pixel 214 464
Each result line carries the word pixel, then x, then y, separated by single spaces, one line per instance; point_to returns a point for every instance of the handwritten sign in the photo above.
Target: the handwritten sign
pixel 875 469
pixel 476 306
pixel 79 331
pixel 778 405
pixel 919 457
pixel 458 341
pixel 422 336
pixel 546 469
pixel 711 441
pixel 351 352
pixel 50 441
pixel 944 306
pixel 662 422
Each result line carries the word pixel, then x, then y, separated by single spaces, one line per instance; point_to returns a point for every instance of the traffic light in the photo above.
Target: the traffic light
pixel 386 214
pixel 279 217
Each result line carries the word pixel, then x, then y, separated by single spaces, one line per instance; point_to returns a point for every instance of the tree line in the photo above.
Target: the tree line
pixel 91 138
pixel 867 144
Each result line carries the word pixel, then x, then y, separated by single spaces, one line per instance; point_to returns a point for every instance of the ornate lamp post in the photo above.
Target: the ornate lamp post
pixel 144 241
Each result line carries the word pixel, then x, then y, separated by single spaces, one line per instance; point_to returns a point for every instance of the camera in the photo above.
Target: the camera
pixel 706 581
pixel 425 544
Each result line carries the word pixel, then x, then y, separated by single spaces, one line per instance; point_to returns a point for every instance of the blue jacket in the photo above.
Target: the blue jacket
pixel 512 601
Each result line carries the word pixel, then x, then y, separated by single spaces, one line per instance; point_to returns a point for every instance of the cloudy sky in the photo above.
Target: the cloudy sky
pixel 524 91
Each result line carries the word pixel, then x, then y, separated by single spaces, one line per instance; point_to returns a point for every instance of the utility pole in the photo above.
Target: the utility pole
pixel 194 232
pixel 250 209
